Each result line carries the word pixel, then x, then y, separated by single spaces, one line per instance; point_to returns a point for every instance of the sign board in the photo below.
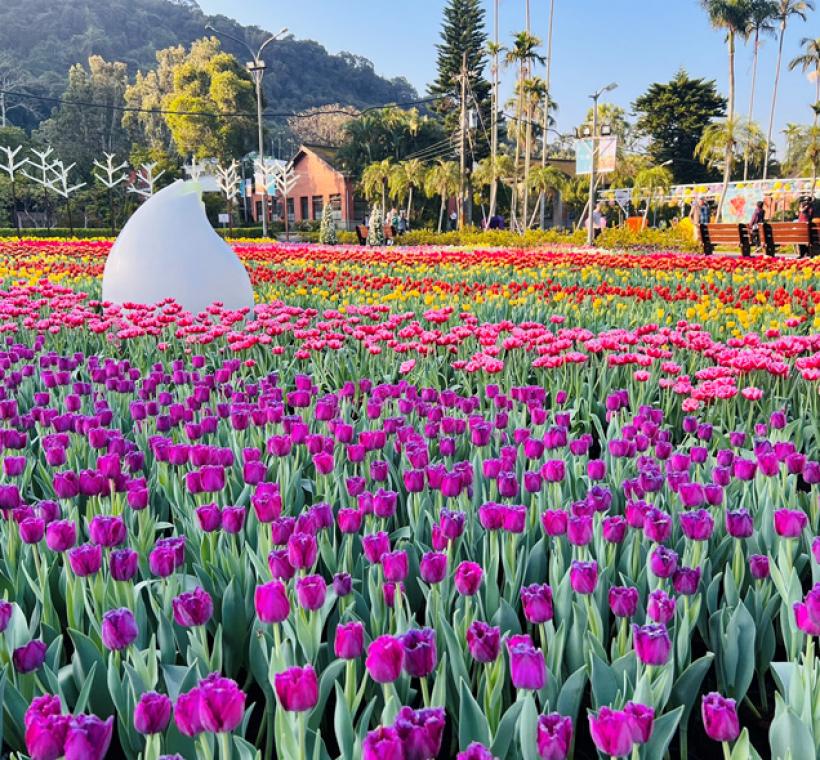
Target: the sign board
pixel 224 219
pixel 607 153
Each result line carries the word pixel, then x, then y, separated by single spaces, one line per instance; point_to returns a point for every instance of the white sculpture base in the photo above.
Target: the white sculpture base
pixel 168 249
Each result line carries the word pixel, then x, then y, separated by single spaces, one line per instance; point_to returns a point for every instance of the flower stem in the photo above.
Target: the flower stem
pixel 225 742
pixel 727 753
pixel 302 736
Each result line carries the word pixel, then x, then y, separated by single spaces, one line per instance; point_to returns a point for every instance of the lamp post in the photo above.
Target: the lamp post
pixel 592 178
pixel 256 66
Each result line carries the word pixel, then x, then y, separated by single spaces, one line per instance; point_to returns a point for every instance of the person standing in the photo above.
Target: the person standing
pixel 806 214
pixel 758 217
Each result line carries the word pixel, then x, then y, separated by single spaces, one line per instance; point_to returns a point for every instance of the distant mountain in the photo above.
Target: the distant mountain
pixel 41 39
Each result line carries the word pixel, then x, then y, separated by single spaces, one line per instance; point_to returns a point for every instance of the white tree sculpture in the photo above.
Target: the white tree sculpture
pixel 110 178
pixel 146 180
pixel 196 169
pixel 45 169
pixel 285 178
pixel 59 183
pixel 10 167
pixel 266 169
pixel 228 180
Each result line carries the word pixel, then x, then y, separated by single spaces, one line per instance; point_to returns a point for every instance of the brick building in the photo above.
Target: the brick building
pixel 320 180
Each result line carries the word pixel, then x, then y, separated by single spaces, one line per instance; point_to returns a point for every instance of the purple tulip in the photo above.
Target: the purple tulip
pixel 536 600
pixel 29 657
pixel 107 530
pixel 209 517
pixel 271 602
pixel 475 751
pixel 759 566
pixel 279 565
pixel 613 528
pixel 420 654
pixel 686 580
pixel 467 578
pixel 382 744
pixel 483 641
pixel 311 591
pixel 349 641
pixel 395 566
pixel 61 535
pixel 652 643
pixel 385 657
pixel 739 523
pixel 342 584
pixel 583 576
pixel 803 620
pixel 623 601
pixel 162 561
pixel 611 732
pixel 697 525
pixel 187 713
pixel 375 545
pixel 790 523
pixel 554 736
pixel 88 737
pixel 6 611
pixel 350 520
pixel 193 608
pixel 579 530
pixel 641 721
pixel 152 713
pixel 297 689
pixel 527 668
pixel 420 732
pixel 85 559
pixel 119 629
pixel 221 704
pixel 46 728
pixel 233 519
pixel 123 564
pixel 433 567
pixel 554 522
pixel 720 719
pixel 663 562
pixel 657 525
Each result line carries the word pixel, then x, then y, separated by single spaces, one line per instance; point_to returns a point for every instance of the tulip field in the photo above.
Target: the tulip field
pixel 420 504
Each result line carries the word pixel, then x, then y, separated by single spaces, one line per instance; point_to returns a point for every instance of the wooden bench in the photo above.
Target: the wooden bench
pixel 362 231
pixel 779 234
pixel 736 235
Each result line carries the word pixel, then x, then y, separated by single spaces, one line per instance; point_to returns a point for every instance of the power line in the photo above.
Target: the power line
pixel 211 114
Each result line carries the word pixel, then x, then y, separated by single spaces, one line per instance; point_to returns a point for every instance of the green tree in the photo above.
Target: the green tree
pixel 442 180
pixel 651 186
pixel 211 82
pixel 146 124
pixel 786 9
pixel 405 178
pixel 734 138
pixel 523 54
pixel 808 61
pixel 673 116
pixel 462 32
pixel 80 134
pixel 375 178
pixel 615 117
pixel 733 17
pixel 546 181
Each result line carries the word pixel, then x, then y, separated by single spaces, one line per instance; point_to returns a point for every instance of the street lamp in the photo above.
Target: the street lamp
pixel 592 178
pixel 256 66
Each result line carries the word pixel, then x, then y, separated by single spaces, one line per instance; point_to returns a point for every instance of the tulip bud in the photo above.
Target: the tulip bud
pixel 193 608
pixel 119 629
pixel 385 657
pixel 152 713
pixel 271 602
pixel 720 719
pixel 297 689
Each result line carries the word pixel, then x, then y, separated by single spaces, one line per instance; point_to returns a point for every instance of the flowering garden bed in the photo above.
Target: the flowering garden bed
pixel 421 504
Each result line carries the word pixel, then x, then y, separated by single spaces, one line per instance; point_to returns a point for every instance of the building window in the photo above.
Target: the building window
pixel 290 209
pixel 303 208
pixel 318 203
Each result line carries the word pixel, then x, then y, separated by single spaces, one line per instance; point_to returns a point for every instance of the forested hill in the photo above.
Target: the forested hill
pixel 41 39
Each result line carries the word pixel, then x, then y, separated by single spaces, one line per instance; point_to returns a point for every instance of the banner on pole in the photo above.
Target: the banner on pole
pixel 607 153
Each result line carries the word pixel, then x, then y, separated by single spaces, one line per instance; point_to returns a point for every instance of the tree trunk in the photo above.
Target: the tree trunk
pixel 813 134
pixel 384 197
pixel 774 97
pixel 111 209
pixel 527 150
pixel 409 202
pixel 70 220
pixel 728 158
pixel 441 212
pixel 751 101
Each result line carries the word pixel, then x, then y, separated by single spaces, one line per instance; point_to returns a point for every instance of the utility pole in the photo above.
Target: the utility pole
pixel 592 176
pixel 256 66
pixel 547 99
pixel 462 197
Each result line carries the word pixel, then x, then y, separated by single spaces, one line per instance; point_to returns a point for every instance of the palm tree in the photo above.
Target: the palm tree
pixel 810 59
pixel 652 185
pixel 546 181
pixel 785 10
pixel 405 178
pixel 729 138
pixel 535 90
pixel 443 179
pixel 374 180
pixel 733 16
pixel 762 14
pixel 495 50
pixel 523 54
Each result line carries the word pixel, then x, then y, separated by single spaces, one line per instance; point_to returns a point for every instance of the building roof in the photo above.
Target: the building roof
pixel 326 153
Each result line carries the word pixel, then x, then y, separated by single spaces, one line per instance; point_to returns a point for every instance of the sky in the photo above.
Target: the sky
pixel 594 42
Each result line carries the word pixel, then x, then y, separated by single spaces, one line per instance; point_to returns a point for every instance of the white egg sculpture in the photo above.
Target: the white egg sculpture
pixel 168 249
